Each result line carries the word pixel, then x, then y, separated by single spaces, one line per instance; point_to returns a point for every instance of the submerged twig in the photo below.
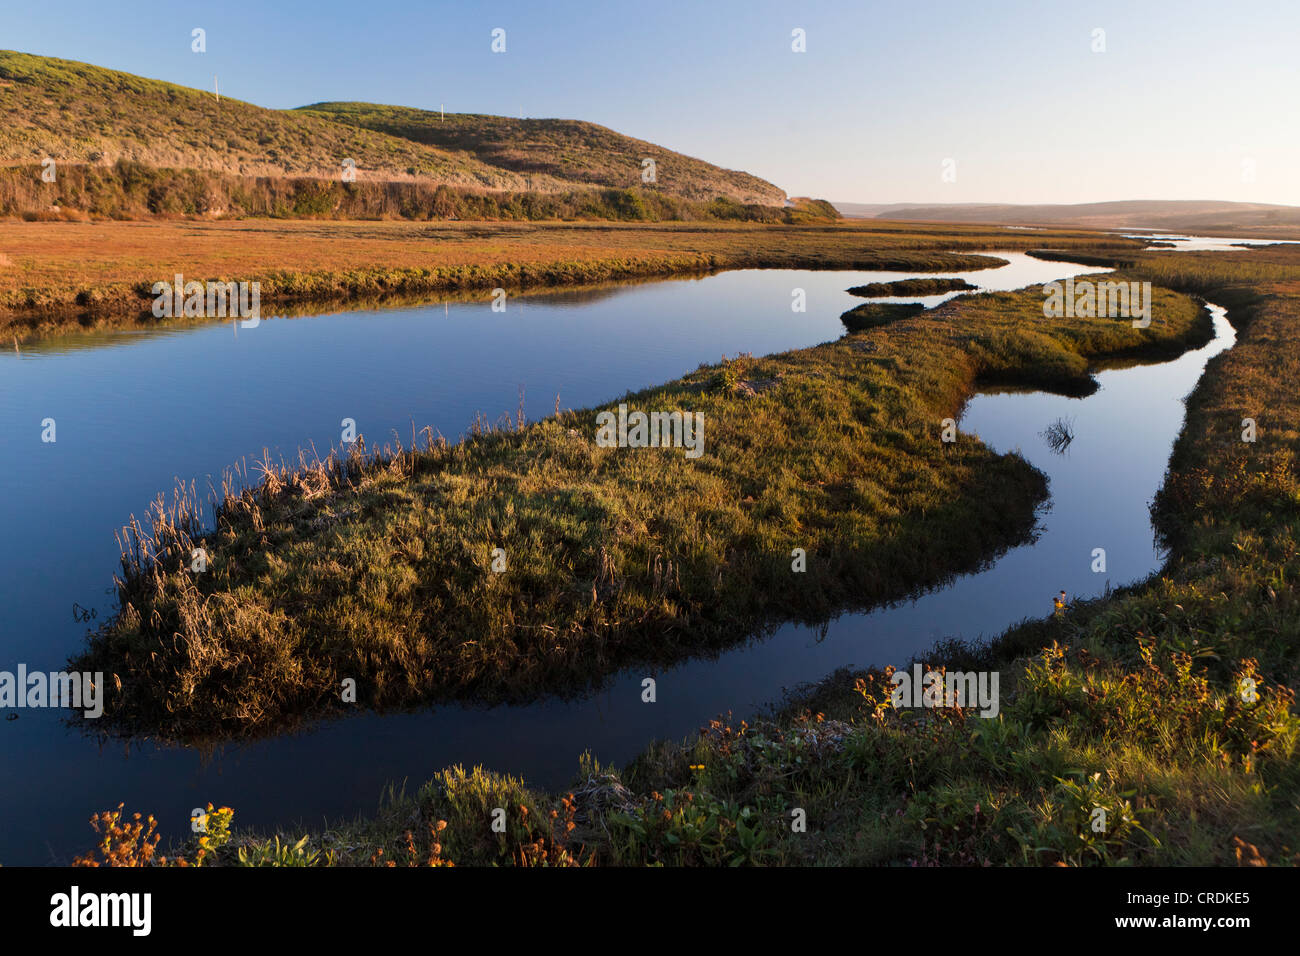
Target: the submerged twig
pixel 1059 434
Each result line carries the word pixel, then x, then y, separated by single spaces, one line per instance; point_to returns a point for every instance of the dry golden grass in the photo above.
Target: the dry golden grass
pixel 65 274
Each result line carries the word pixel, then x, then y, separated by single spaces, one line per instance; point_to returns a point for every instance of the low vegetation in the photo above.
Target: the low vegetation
pixel 935 286
pixel 870 315
pixel 133 190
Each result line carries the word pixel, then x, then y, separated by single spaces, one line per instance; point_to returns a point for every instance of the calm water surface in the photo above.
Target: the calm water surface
pixel 1207 243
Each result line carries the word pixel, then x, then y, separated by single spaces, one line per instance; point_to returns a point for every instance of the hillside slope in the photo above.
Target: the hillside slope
pixel 78 113
pixel 571 150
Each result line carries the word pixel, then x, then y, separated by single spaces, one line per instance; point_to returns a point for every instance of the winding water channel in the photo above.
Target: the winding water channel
pixel 137 409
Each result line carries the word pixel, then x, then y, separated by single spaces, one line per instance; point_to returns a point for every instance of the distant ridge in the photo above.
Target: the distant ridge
pixel 1175 214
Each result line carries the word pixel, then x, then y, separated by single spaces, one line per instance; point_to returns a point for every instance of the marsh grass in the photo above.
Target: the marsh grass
pixel 871 315
pixel 1169 703
pixel 935 286
pixel 376 566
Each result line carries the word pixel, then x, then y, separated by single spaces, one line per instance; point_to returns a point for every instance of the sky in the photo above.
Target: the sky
pixel 917 101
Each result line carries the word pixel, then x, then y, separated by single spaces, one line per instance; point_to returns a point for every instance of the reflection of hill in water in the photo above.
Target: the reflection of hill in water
pixel 110 332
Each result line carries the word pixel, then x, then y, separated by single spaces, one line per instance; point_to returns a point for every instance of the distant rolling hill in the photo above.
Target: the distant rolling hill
pixel 868 210
pixel 569 150
pixel 1171 215
pixel 77 113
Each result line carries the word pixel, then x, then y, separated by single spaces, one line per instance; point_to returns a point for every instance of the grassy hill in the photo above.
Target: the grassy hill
pixel 569 150
pixel 84 115
pixel 77 113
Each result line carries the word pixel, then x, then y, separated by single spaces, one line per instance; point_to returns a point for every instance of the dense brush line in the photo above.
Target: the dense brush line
pixel 132 190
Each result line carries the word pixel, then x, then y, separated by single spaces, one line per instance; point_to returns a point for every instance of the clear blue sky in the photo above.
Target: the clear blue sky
pixel 1190 100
